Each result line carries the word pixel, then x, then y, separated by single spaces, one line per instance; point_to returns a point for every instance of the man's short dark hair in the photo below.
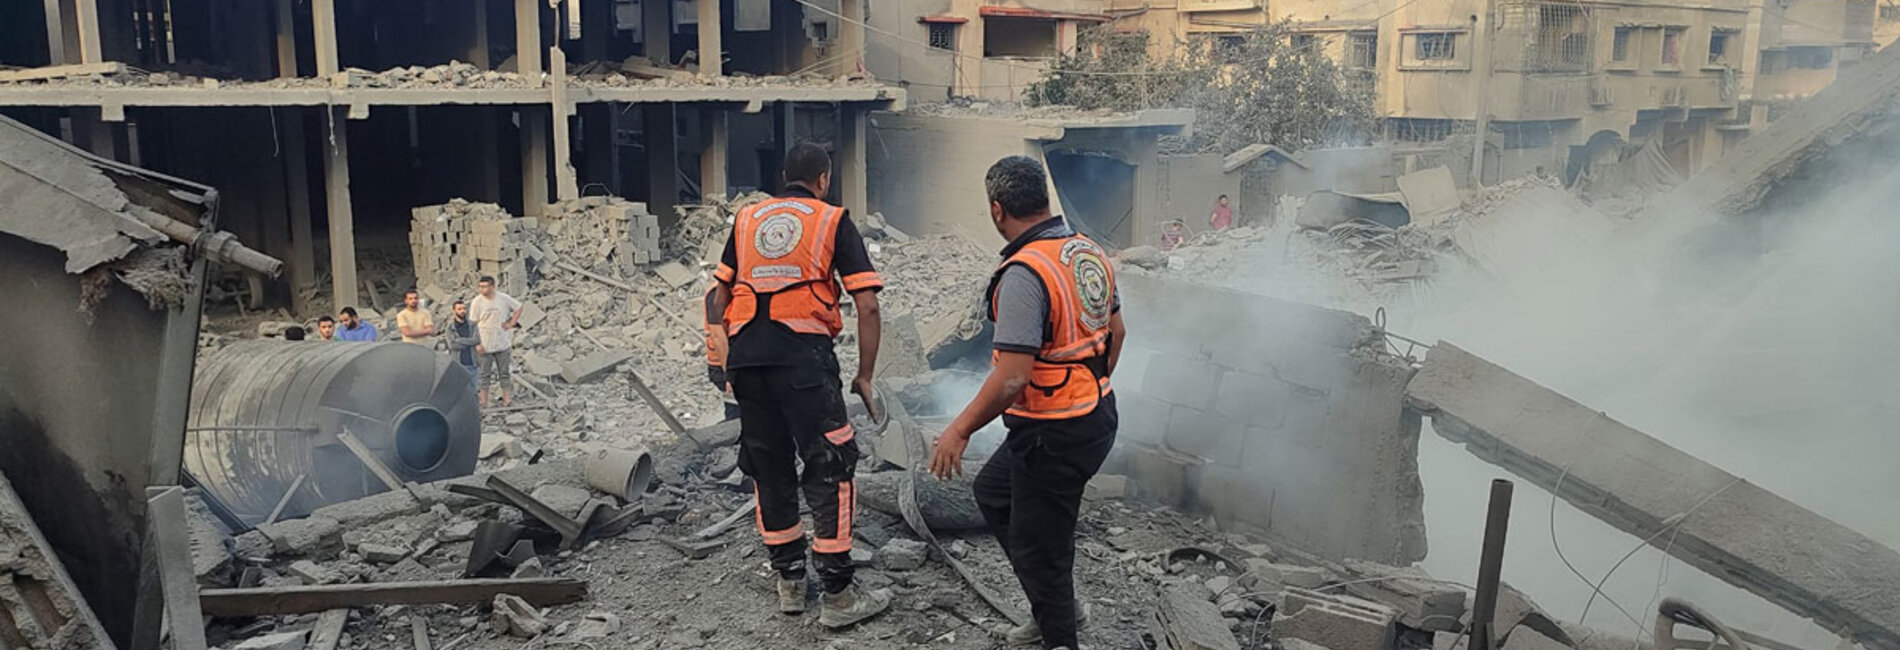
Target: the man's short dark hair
pixel 457 303
pixel 348 311
pixel 1223 196
pixel 325 319
pixel 293 334
pixel 487 278
pixel 1020 185
pixel 806 162
pixel 411 292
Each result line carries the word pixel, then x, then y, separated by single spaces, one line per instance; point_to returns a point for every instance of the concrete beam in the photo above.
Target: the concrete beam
pixel 303 257
pixel 850 37
pixel 565 185
pixel 872 97
pixel 336 177
pixel 712 59
pixel 715 135
pixel 657 23
pixel 55 34
pixel 852 175
pixel 90 43
pixel 286 35
pixel 534 160
pixel 1694 511
pixel 323 29
pixel 528 39
pixel 658 130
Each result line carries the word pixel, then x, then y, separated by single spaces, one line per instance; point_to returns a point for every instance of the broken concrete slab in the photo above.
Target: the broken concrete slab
pixel 564 499
pixel 1529 639
pixel 280 641
pixel 382 553
pixel 309 536
pixel 1422 603
pixel 1105 486
pixel 593 366
pixel 1263 575
pixel 903 555
pixel 1335 621
pixel 313 573
pixel 1713 520
pixel 675 275
pixel 515 617
pixel 1185 620
pixel 540 366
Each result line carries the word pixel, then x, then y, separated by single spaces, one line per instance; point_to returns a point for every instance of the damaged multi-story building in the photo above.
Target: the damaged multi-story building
pixel 327 121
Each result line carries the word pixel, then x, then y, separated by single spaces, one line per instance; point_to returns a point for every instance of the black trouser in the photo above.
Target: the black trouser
pixel 795 413
pixel 1030 493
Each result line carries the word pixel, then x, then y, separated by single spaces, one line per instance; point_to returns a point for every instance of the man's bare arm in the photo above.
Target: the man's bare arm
pixel 1005 383
pixel 1117 333
pixel 870 334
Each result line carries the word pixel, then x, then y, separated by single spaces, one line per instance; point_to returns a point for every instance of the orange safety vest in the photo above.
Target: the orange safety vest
pixel 784 248
pixel 715 336
pixel 1071 371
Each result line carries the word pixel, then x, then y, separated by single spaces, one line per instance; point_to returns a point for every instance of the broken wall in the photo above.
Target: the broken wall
pixel 1191 187
pixel 927 177
pixel 1269 415
pixel 78 399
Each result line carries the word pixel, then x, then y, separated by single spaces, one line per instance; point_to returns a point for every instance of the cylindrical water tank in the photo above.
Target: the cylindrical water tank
pixel 265 414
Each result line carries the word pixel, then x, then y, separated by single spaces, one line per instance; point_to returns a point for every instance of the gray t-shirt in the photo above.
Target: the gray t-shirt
pixel 1022 311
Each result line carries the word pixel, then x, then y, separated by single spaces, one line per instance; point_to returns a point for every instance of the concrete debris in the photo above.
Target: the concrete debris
pixel 1422 602
pixel 40 606
pixel 1185 620
pixel 1335 621
pixel 1106 486
pixel 903 555
pixel 1264 575
pixel 515 617
pixel 593 366
pixel 279 641
pixel 564 499
pixel 308 536
pixel 1529 639
pixel 382 554
pixel 532 568
pixel 495 444
pixel 313 573
pixel 597 625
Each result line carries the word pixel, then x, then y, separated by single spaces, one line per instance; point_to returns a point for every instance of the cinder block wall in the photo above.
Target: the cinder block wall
pixel 1271 415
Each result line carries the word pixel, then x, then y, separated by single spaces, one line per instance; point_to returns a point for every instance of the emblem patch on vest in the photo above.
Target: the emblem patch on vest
pixel 778 236
pixel 1092 288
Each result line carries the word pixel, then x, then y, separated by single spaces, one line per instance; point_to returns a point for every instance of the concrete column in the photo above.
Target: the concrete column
pixel 91 49
pixel 323 27
pixel 534 160
pixel 851 37
pixel 528 39
pixel 565 186
pixel 478 48
pixel 785 134
pixel 851 174
pixel 712 60
pixel 715 134
pixel 336 181
pixel 55 33
pixel 663 177
pixel 657 21
pixel 286 39
pixel 303 258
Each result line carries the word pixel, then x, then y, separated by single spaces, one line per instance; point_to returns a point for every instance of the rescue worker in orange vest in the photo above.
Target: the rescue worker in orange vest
pixel 789 261
pixel 716 356
pixel 1059 332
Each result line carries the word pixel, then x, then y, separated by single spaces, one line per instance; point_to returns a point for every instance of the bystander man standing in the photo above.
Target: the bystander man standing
pixel 1222 216
pixel 414 322
pixel 354 329
pixel 495 313
pixel 463 339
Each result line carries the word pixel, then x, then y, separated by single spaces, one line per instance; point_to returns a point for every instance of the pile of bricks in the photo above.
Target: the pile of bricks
pixel 456 243
pixel 606 234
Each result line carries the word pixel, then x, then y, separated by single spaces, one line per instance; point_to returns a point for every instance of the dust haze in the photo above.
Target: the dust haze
pixel 1763 344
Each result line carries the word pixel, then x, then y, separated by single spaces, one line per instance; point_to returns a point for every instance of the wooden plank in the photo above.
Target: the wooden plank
pixel 540 592
pixel 166 507
pixel 375 466
pixel 419 632
pixel 329 630
pixel 61 71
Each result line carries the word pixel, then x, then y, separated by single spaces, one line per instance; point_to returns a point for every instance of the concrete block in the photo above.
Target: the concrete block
pixel 1186 620
pixel 1204 434
pixel 540 366
pixel 1142 419
pixel 313 573
pixel 593 366
pixel 675 275
pixel 1263 575
pixel 371 510
pixel 1258 400
pixel 382 553
pixel 1163 477
pixel 1334 621
pixel 1421 602
pixel 280 641
pixel 312 535
pixel 1180 379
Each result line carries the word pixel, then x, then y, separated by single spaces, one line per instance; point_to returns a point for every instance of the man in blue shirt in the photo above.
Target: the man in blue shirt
pixel 353 328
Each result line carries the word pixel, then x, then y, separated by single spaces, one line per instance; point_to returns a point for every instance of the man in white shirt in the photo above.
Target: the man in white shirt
pixel 494 313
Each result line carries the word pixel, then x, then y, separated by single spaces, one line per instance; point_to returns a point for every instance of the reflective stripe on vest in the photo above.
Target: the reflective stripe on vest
pixel 1081 287
pixel 784 248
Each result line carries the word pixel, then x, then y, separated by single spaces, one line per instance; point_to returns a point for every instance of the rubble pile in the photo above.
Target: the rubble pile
pixel 456 243
pixel 454 74
pixel 639 71
pixel 1148 576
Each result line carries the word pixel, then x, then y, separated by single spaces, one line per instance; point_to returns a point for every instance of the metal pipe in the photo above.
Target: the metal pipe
pixel 1490 566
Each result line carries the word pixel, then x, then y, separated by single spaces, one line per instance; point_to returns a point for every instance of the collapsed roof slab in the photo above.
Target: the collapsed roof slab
pixel 1694 511
pixel 77 95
